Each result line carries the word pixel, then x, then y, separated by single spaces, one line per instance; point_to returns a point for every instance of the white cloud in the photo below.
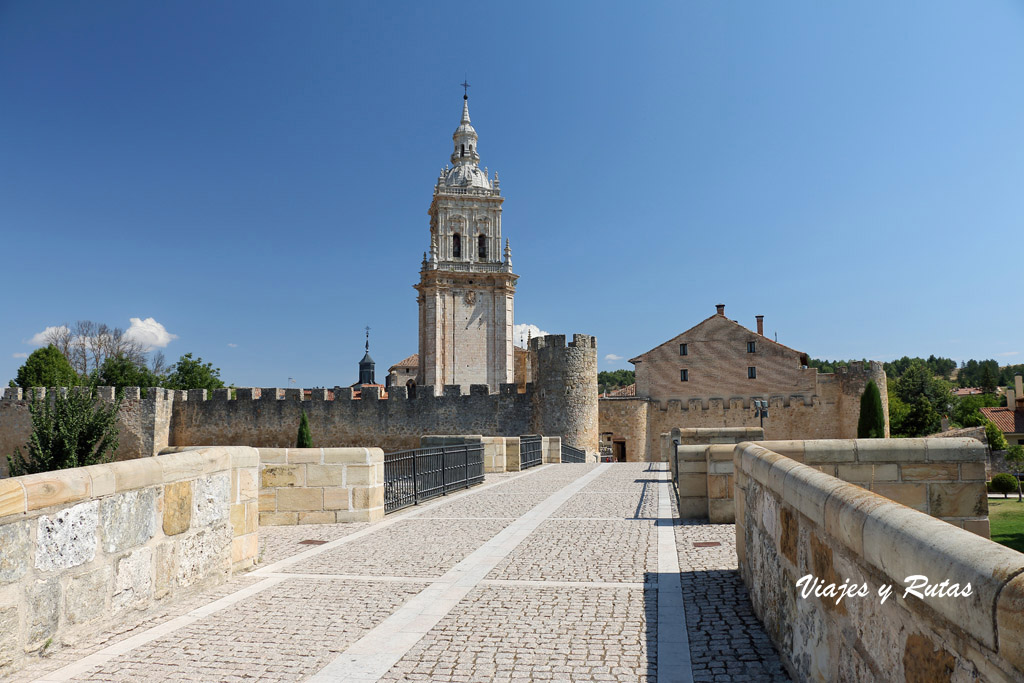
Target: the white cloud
pixel 1008 353
pixel 149 333
pixel 612 356
pixel 19 355
pixel 522 332
pixel 39 338
pixel 234 346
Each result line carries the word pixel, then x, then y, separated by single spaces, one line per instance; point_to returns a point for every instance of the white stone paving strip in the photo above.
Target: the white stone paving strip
pixel 673 643
pixel 273 577
pixel 128 644
pixel 369 658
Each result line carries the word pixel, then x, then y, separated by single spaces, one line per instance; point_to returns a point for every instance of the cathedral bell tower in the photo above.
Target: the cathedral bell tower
pixel 466 282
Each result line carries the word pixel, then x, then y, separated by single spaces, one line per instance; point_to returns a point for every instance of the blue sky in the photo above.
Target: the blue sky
pixel 255 176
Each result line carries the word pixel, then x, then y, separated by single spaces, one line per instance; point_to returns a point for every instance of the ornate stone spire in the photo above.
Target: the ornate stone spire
pixel 508 256
pixel 465 157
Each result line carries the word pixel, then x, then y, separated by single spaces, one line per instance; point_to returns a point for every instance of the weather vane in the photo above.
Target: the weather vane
pixel 367 338
pixel 465 88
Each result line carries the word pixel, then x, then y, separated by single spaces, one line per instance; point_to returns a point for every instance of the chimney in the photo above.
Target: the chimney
pixel 720 308
pixel 760 324
pixel 1018 393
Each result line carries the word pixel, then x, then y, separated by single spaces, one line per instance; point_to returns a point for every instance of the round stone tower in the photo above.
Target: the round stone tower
pixel 564 396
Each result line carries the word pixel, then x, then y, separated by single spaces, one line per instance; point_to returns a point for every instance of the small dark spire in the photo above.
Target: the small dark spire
pixel 367 338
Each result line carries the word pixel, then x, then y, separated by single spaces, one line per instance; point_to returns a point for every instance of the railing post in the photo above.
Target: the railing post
pixel 415 481
pixel 444 482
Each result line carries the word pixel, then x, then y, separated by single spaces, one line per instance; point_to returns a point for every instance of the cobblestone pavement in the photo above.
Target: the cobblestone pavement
pixel 548 575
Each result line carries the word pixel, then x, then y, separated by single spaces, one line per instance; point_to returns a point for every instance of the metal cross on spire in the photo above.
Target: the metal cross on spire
pixel 367 338
pixel 465 89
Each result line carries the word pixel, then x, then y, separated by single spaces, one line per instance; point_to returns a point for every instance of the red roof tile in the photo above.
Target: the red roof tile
pixel 1008 420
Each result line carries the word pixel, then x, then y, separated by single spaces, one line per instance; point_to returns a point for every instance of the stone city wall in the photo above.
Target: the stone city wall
pixel 321 485
pixel 142 422
pixel 81 547
pixel 703 485
pixel 793 520
pixel 831 413
pixel 944 478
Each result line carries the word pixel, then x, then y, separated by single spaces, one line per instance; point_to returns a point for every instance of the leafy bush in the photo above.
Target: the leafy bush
pixel 46 367
pixel 996 440
pixel 68 430
pixel 1004 483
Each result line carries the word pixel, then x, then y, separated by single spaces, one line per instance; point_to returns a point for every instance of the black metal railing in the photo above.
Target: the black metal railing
pixel 413 476
pixel 573 454
pixel 531 451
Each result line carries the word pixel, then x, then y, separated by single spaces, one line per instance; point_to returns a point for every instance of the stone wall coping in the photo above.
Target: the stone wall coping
pixel 958 449
pixel 899 541
pixel 30 492
pixel 321 456
pixel 246 394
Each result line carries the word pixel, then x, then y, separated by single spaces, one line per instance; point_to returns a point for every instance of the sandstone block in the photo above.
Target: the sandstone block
pixel 720 487
pixel 244 550
pixel 165 566
pixel 346 516
pixel 55 488
pixel 248 483
pixel 691 486
pixel 177 507
pixel 9 624
pixel 366 497
pixel 210 498
pixel 978 526
pixel 336 499
pixel 326 475
pixel 693 508
pixel 178 466
pixel 67 538
pixel 12 497
pixel 86 595
pixel 360 475
pixel 1010 621
pixel 136 474
pixel 327 517
pixel 279 518
pixel 957 500
pixel 275 476
pixel 721 511
pixel 304 456
pixel 15 551
pixel 103 483
pixel 268 500
pixel 300 499
pixel 133 580
pixel 956 450
pixel 865 474
pixel 911 495
pixel 925 660
pixel 204 554
pixel 972 471
pixel 237 518
pixel 43 601
pixel 346 456
pixel 829 451
pixel 129 519
pixel 931 472
pixel 273 455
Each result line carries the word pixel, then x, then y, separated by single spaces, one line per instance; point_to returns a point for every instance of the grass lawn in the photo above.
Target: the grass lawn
pixel 1006 519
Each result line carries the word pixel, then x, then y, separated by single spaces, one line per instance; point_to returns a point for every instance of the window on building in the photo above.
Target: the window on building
pixel 481 249
pixel 457 245
pixel 462 151
pixel 751 347
pixel 751 373
pixel 684 375
pixel 684 350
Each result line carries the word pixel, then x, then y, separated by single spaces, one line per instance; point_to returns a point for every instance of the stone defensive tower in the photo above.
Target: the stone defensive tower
pixel 565 389
pixel 466 282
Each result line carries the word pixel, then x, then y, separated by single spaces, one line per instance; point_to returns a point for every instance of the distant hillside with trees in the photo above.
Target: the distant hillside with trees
pixel 608 380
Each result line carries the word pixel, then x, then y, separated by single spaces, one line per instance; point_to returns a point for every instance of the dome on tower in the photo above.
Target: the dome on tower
pixel 466 171
pixel 467 175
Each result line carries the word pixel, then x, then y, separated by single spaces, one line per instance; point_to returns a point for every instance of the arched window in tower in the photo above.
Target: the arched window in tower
pixel 462 150
pixel 481 250
pixel 457 245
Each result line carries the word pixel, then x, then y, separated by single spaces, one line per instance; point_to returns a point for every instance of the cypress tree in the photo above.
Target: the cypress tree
pixel 872 420
pixel 305 437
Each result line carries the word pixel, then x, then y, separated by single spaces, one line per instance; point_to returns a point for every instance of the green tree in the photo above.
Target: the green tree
pixel 305 439
pixel 122 371
pixel 46 367
pixel 996 440
pixel 612 379
pixel 872 419
pixel 966 409
pixel 1004 483
pixel 922 419
pixel 68 430
pixel 189 373
pixel 1015 457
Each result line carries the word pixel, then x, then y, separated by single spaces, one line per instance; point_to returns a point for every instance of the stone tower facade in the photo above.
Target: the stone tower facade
pixel 565 389
pixel 466 282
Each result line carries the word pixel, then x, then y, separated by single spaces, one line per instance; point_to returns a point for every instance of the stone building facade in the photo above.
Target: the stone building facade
pixel 708 377
pixel 466 287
